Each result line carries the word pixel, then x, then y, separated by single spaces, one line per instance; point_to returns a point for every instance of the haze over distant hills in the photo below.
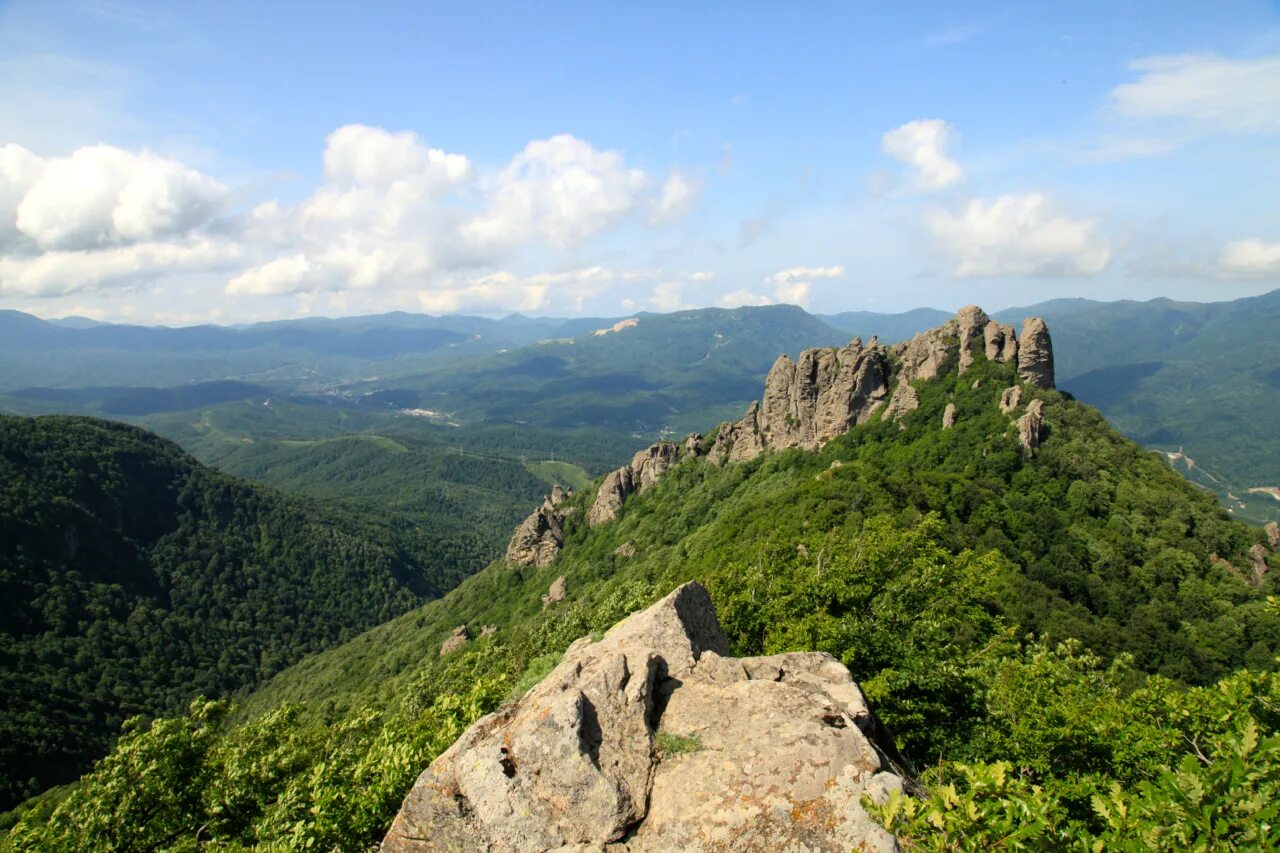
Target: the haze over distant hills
pixel 1187 378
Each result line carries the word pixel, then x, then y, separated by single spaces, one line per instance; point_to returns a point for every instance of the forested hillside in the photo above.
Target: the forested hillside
pixel 132 579
pixel 1054 636
pixel 1200 378
pixel 679 371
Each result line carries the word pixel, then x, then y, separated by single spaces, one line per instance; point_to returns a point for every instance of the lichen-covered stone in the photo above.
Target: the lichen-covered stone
pixel 783 750
pixel 1010 399
pixel 556 592
pixel 1035 354
pixel 1031 427
pixel 538 539
pixel 455 641
pixel 645 469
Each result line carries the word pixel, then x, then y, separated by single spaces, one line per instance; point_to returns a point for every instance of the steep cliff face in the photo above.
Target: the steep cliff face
pixel 777 752
pixel 809 402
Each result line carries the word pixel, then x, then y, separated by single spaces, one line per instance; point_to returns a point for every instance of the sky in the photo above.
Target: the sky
pixel 178 163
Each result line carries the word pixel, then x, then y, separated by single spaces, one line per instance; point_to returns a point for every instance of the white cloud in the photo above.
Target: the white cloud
pixel 793 293
pixel 390 214
pixel 1251 258
pixel 739 298
pixel 796 274
pixel 792 286
pixel 99 196
pixel 558 190
pixel 61 273
pixel 357 154
pixel 1018 235
pixel 678 197
pixel 922 144
pixel 1214 92
pixel 504 290
pixel 669 296
pixel 701 276
pixel 283 275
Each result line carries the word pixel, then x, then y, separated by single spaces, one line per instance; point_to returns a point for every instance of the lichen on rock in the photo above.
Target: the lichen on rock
pixel 783 750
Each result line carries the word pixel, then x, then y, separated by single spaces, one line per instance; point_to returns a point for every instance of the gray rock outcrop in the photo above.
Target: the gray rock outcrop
pixel 539 538
pixel 645 469
pixel 555 593
pixel 809 402
pixel 1010 399
pixel 1258 563
pixel 1035 354
pixel 778 752
pixel 972 323
pixel 1000 342
pixel 949 416
pixel 455 641
pixel 1031 427
pixel 1273 535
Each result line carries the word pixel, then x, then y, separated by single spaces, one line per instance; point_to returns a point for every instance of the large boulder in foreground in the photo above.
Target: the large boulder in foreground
pixel 653 739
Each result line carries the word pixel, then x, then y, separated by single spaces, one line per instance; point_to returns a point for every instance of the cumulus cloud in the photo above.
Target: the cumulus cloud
pixel 357 154
pixel 792 286
pixel 283 275
pixel 504 290
pixel 99 196
pixel 922 144
pixel 1211 91
pixel 1018 235
pixel 62 273
pixel 669 296
pixel 739 298
pixel 1252 258
pixel 391 212
pixel 559 190
pixel 677 198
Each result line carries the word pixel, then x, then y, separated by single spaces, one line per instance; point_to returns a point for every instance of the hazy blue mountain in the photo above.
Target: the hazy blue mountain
pixel 680 371
pixel 888 327
pixel 1203 378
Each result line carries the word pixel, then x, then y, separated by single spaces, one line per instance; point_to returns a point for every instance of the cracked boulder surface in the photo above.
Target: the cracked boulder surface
pixel 774 753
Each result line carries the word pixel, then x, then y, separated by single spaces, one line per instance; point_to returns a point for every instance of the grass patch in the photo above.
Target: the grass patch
pixel 562 473
pixel 671 744
pixel 538 669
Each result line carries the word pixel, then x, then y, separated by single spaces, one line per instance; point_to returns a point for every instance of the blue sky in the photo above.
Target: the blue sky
pixel 232 161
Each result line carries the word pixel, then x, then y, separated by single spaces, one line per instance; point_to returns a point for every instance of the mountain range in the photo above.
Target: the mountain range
pixel 1194 380
pixel 1051 622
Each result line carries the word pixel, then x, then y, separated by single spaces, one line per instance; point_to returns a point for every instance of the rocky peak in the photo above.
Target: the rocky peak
pixel 782 750
pixel 1035 354
pixel 809 402
pixel 971 323
pixel 539 538
pixel 645 469
pixel 1273 535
